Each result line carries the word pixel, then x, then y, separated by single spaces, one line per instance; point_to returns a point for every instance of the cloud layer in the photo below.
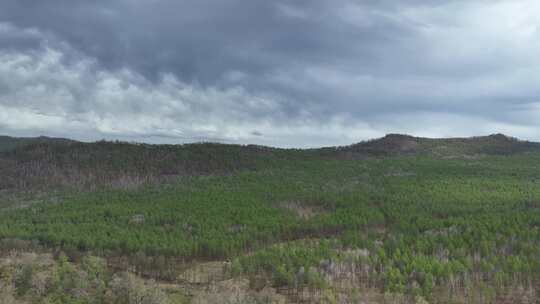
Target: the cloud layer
pixel 280 73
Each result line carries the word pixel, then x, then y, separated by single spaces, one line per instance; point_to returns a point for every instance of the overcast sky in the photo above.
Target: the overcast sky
pixel 281 73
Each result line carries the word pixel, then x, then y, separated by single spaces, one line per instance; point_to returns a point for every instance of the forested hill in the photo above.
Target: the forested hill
pixel 397 144
pixel 8 143
pixel 43 162
pixel 391 144
pixel 398 219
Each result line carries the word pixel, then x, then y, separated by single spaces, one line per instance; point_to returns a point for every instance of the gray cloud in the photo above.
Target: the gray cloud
pixel 285 73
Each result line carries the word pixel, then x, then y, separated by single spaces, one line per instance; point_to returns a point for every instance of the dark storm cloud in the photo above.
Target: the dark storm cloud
pixel 326 71
pixel 194 39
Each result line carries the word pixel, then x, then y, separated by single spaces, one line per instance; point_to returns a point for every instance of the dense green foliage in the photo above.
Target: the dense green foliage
pixel 406 224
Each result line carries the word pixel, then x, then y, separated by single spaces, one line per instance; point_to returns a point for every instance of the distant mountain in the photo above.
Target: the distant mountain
pixel 391 144
pixel 398 144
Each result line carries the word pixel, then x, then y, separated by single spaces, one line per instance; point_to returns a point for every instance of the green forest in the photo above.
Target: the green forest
pixel 396 220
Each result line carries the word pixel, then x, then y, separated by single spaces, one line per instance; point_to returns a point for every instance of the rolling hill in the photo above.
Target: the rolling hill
pixel 38 163
pixel 396 144
pixel 8 143
pixel 398 219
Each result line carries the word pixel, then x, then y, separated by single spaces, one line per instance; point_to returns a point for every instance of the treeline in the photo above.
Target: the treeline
pixel 42 164
pixel 88 166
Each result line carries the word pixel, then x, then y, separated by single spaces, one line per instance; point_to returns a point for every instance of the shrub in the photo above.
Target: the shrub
pixel 23 279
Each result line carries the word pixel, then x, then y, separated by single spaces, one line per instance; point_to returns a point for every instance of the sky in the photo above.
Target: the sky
pixel 279 73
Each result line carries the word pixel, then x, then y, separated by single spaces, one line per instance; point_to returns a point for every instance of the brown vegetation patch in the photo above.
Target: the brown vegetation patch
pixel 237 228
pixel 137 219
pixel 400 173
pixel 203 273
pixel 388 145
pixel 237 291
pixel 303 210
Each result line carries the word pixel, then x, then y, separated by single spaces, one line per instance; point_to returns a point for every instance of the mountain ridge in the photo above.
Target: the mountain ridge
pixel 8 143
pixel 494 144
pixel 41 163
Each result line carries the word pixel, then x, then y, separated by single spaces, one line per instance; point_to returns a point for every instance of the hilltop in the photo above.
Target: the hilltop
pixel 396 144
